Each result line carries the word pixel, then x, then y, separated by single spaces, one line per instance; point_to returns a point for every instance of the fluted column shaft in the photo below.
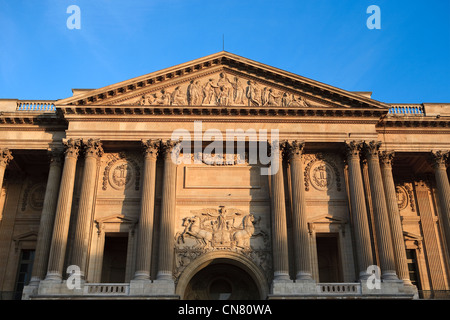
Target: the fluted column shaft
pixel 168 206
pixel 280 244
pixel 439 159
pixel 92 151
pixel 299 221
pixel 145 232
pixel 382 227
pixel 63 209
pixel 358 209
pixel 394 217
pixel 47 218
pixel 5 159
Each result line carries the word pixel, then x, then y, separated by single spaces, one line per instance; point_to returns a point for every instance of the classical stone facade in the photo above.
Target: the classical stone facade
pixel 130 191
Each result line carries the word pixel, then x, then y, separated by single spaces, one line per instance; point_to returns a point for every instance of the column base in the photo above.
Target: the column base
pixel 304 277
pixel 358 290
pixel 388 289
pixel 141 275
pixel 157 288
pixel 289 288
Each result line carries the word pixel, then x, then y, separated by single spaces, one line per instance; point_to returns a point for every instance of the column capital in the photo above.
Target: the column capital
pixel 293 148
pixel 55 156
pixel 372 148
pixel 92 148
pixel 72 147
pixel 151 148
pixel 387 158
pixel 168 147
pixel 353 148
pixel 5 157
pixel 439 158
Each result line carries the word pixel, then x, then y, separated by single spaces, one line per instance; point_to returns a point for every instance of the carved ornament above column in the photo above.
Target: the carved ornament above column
pixel 93 148
pixel 353 148
pixel 439 159
pixel 372 148
pixel 72 147
pixel 293 148
pixel 151 148
pixel 168 147
pixel 5 157
pixel 387 158
pixel 55 156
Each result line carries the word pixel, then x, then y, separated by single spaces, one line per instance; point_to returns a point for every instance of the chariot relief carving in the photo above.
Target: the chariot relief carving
pixel 221 89
pixel 220 229
pixel 224 228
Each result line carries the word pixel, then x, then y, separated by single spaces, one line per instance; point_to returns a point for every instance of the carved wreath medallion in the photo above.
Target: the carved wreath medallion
pixel 402 197
pixel 321 175
pixel 321 172
pixel 120 172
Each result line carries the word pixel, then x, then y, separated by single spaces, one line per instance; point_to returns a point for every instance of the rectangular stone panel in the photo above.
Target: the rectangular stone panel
pixel 221 177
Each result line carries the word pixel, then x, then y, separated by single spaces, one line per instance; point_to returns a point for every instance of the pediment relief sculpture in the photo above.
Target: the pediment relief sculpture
pixel 220 89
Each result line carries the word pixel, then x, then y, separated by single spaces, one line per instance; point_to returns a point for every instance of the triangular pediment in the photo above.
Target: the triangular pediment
pixel 222 79
pixel 328 219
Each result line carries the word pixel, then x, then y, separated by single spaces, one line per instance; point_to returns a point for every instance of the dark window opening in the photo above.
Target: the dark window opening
pixel 24 272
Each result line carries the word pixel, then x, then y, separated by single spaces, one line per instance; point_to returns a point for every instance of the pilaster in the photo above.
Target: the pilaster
pixel 168 206
pixel 145 231
pixel 382 226
pixel 386 159
pixel 439 160
pixel 280 245
pixel 47 217
pixel 92 151
pixel 63 209
pixel 300 226
pixel 358 208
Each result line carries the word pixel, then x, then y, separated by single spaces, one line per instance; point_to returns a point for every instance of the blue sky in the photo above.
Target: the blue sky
pixel 406 61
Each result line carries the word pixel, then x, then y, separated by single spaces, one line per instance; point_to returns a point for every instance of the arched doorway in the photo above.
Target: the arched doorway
pixel 222 276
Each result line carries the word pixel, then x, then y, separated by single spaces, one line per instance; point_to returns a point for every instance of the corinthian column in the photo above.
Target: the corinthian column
pixel 382 227
pixel 358 208
pixel 63 208
pixel 47 218
pixel 280 245
pixel 394 216
pixel 92 151
pixel 145 233
pixel 167 228
pixel 299 222
pixel 5 159
pixel 439 159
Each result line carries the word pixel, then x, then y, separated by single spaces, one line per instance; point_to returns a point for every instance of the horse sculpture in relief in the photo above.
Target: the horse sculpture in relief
pixel 216 229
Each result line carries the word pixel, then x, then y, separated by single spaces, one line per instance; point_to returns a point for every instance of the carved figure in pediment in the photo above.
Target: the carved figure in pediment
pixel 162 98
pixel 143 101
pixel 223 98
pixel 273 99
pixel 298 102
pixel 194 93
pixel 209 92
pixel 253 93
pixel 286 100
pixel 265 97
pixel 238 91
pixel 177 97
pixel 223 80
